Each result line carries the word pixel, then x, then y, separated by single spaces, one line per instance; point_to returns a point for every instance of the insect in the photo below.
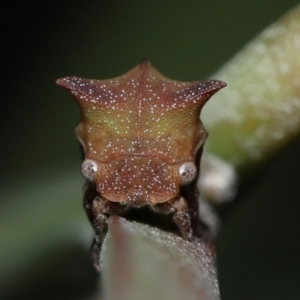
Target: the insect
pixel 142 140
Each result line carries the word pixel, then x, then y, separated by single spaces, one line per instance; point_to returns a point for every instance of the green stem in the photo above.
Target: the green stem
pixel 259 112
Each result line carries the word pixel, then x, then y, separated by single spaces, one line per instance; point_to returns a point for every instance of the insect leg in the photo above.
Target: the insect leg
pixel 98 211
pixel 99 223
pixel 181 215
pixel 101 210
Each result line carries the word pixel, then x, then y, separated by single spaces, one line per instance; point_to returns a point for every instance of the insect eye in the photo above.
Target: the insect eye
pixel 187 173
pixel 89 169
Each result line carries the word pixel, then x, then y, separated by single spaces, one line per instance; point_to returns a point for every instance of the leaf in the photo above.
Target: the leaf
pixel 142 262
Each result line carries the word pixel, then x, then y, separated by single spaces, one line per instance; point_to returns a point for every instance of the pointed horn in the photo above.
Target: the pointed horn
pixel 201 91
pixel 80 88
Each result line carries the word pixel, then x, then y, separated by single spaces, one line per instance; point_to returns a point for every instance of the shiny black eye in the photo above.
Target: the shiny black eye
pixel 187 173
pixel 89 169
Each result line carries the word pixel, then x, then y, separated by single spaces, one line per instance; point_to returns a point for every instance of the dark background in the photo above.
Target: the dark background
pixel 258 254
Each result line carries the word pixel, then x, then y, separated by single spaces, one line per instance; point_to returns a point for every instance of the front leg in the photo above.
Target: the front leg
pixel 99 223
pixel 101 209
pixel 98 210
pixel 181 215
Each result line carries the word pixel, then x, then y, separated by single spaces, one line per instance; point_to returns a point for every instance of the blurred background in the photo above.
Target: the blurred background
pixel 44 233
